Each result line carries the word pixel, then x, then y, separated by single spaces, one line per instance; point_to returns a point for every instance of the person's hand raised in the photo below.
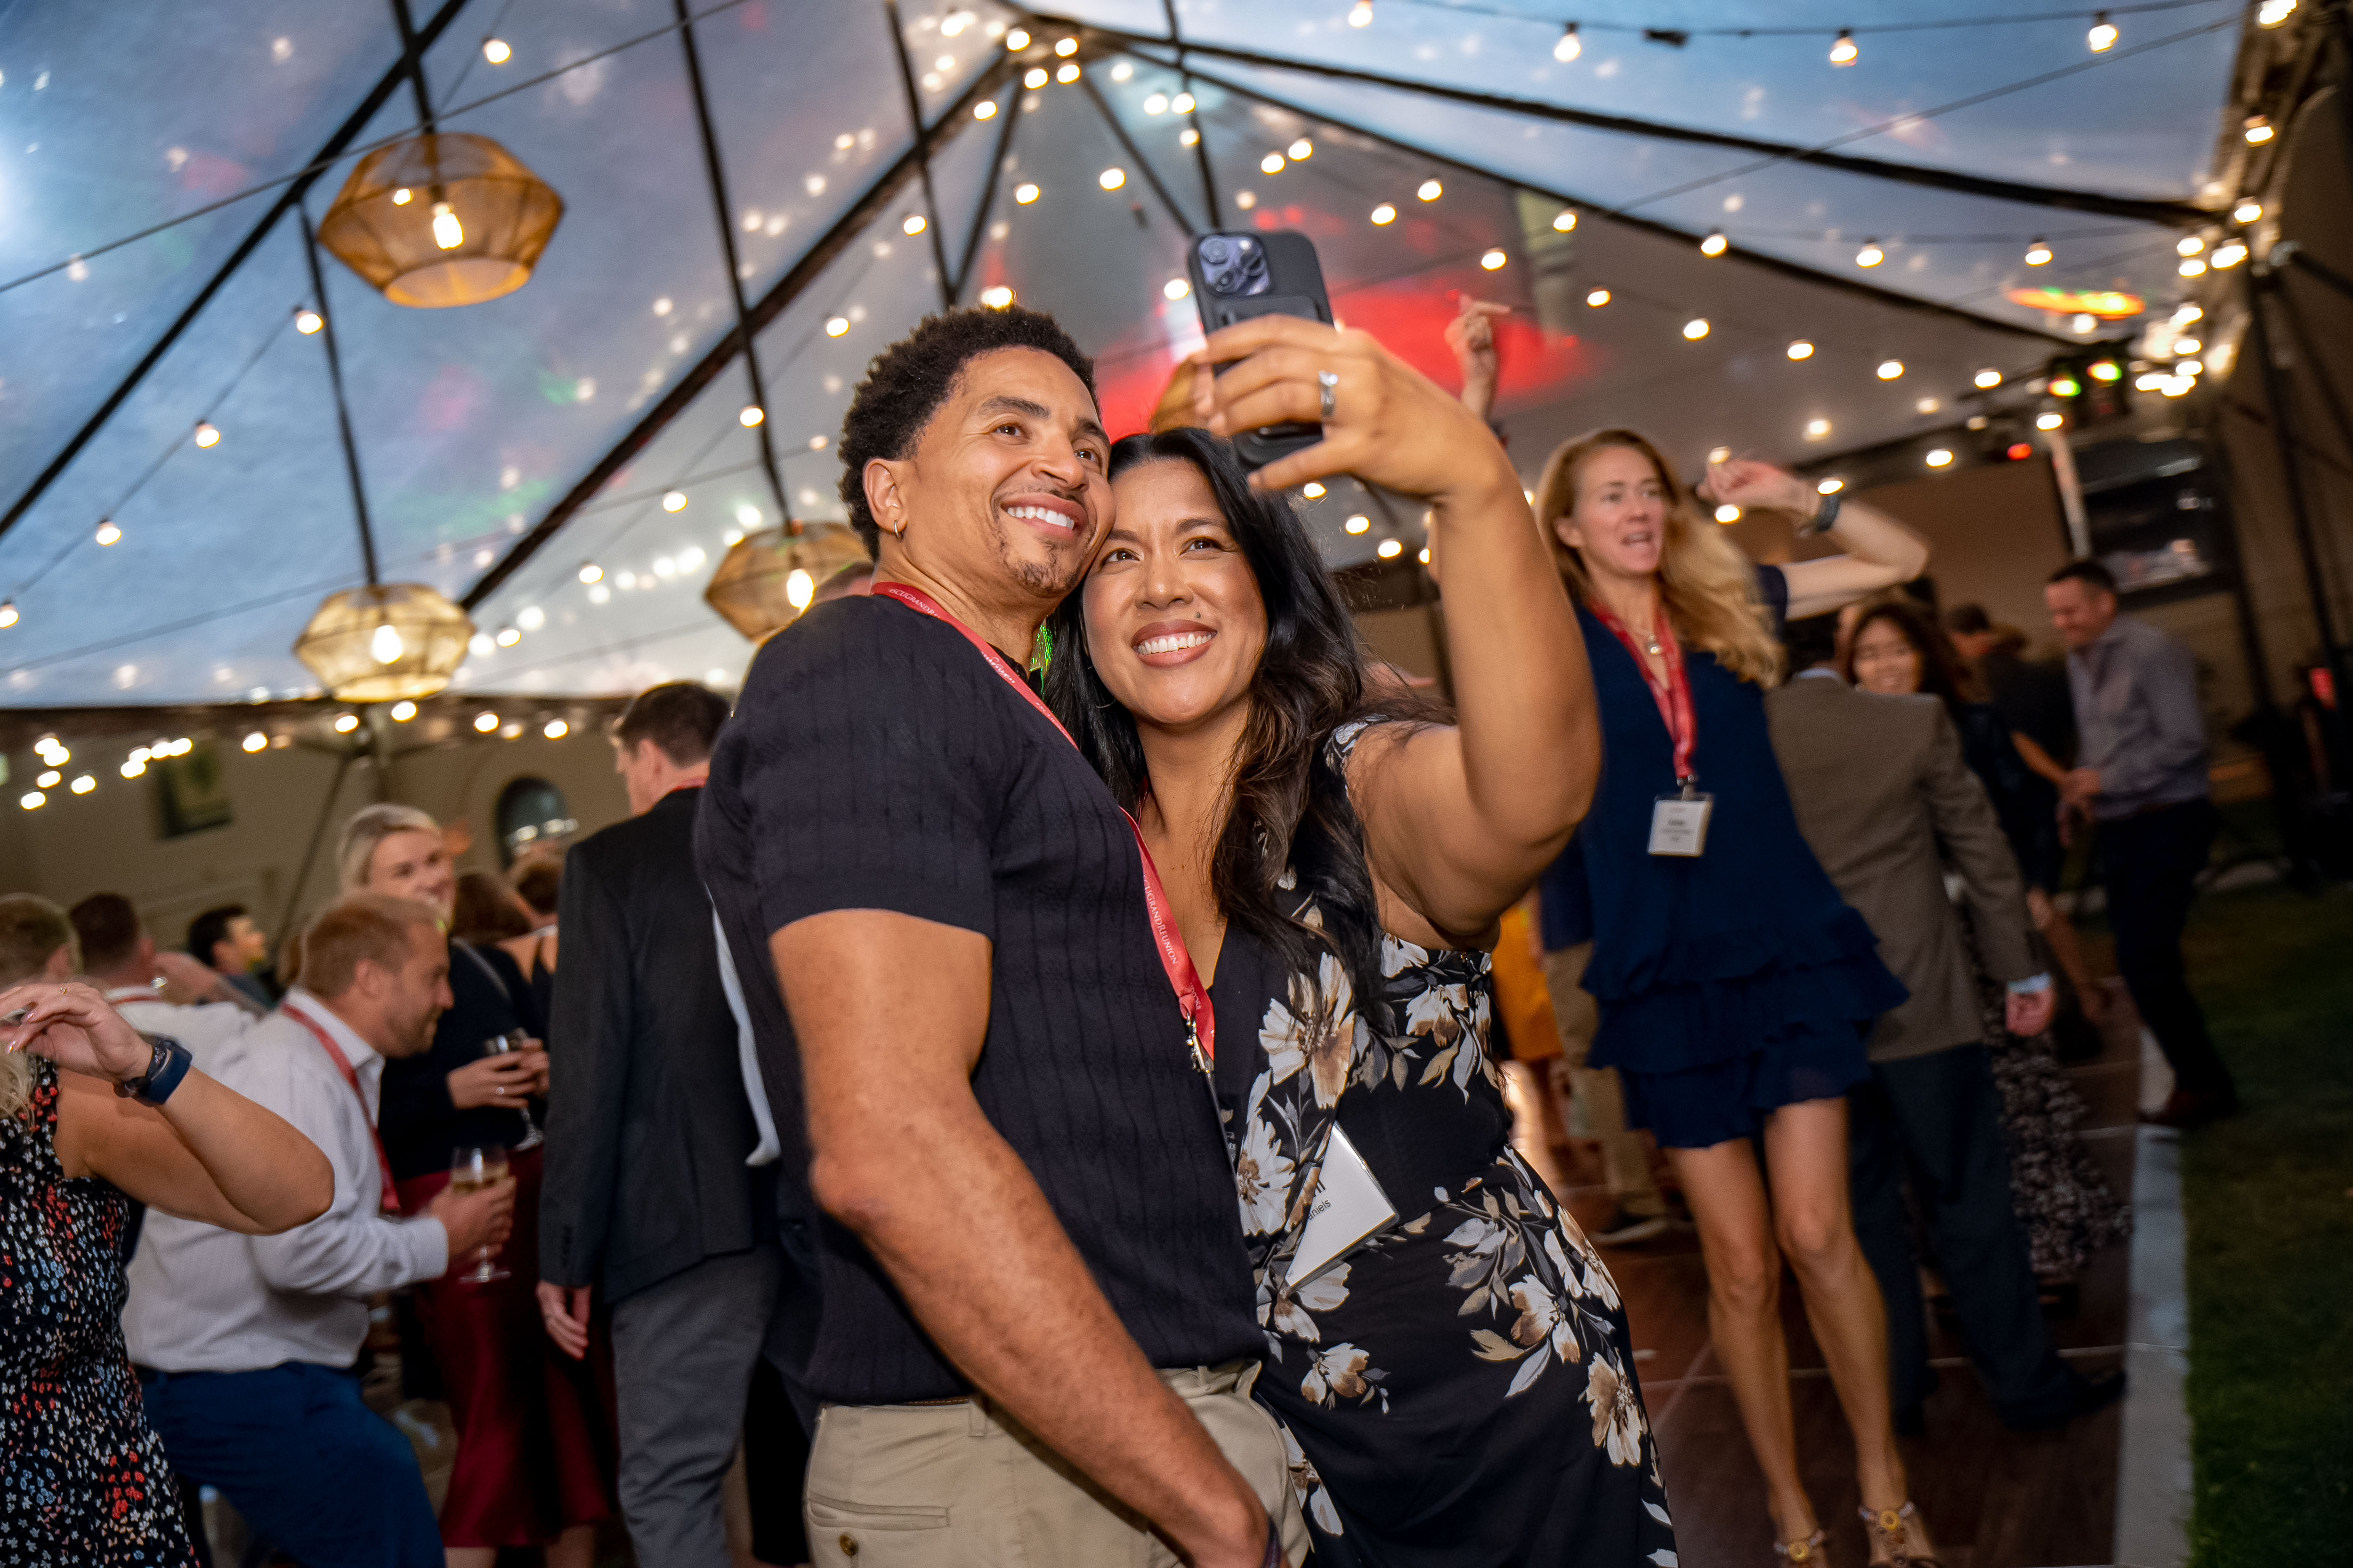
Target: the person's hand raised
pixel 1749 484
pixel 72 1025
pixel 1388 424
pixel 1472 337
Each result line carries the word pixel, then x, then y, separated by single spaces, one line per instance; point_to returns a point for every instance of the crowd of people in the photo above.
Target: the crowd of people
pixel 1025 1077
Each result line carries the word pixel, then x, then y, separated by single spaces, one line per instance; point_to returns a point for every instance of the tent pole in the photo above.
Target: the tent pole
pixel 1012 112
pixel 1143 164
pixel 916 129
pixel 716 169
pixel 1200 137
pixel 342 411
pixel 318 834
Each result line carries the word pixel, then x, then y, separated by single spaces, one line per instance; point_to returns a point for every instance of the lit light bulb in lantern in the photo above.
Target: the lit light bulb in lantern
pixel 446 232
pixel 384 643
pixel 799 588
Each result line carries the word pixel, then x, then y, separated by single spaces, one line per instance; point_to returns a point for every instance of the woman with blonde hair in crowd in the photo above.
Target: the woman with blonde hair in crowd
pixel 1736 986
pixel 533 1441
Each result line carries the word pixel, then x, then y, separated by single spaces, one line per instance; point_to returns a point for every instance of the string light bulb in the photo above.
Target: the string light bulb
pixel 1568 47
pixel 2258 130
pixel 1017 40
pixel 1727 513
pixel 485 722
pixel 107 532
pixel 1300 149
pixel 984 110
pixel 751 416
pixel 1384 214
pixel 1889 369
pixel 1034 78
pixel 914 225
pixel 1830 487
pixel 1563 221
pixel 1430 190
pixel 2038 253
pixel 1843 52
pixel 1871 255
pixel 256 740
pixel 2189 245
pixel 1112 179
pixel 2192 266
pixel 496 51
pixel 1359 524
pixel 8 614
pixel 403 711
pixel 346 722
pixel 2051 421
pixel 308 321
pixel 2103 35
pixel 2230 253
pixel 1714 244
pixel 2247 211
pixel 673 501
pixel 207 434
pixel 1181 104
pixel 1800 349
pixel 997 297
pixel 448 232
pixel 1987 378
pixel 1360 14
pixel 1695 329
pixel 1494 261
pixel 1596 298
pixel 1818 429
pixel 1067 72
pixel 2271 13
pixel 1066 48
pixel 1389 549
pixel 1270 164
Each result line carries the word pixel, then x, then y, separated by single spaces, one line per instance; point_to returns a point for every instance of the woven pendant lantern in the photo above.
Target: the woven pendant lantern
pixel 761 574
pixel 445 218
pixel 385 642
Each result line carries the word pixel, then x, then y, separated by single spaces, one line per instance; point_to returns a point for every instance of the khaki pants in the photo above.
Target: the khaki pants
pixel 962 1486
pixel 1625 1159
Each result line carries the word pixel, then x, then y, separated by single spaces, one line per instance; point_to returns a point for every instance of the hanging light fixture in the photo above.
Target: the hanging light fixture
pixel 1570 46
pixel 1843 52
pixel 768 577
pixel 380 642
pixel 445 218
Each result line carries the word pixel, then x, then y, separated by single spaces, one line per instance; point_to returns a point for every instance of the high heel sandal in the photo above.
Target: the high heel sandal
pixel 1890 1527
pixel 1810 1550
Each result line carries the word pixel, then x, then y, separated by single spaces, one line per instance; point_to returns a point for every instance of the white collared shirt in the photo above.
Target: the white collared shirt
pixel 210 1030
pixel 208 1300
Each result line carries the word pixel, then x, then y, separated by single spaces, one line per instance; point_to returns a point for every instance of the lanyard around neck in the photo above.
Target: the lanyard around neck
pixel 1672 695
pixel 1192 996
pixel 390 1197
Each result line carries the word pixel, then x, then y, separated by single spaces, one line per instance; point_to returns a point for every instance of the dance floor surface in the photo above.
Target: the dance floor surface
pixel 1994 1499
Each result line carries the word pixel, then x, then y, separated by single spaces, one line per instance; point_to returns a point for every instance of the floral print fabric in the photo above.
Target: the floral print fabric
pixel 82 1477
pixel 1459 1388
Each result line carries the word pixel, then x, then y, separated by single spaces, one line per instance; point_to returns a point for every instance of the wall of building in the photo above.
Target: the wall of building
pixel 111 840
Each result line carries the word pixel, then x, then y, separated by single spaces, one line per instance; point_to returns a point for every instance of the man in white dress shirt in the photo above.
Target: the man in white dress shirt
pixel 247 1345
pixel 162 992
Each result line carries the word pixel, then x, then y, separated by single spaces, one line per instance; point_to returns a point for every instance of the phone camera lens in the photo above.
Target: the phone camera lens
pixel 1214 251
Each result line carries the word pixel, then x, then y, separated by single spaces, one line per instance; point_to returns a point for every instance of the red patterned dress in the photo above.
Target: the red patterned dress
pixel 82 1477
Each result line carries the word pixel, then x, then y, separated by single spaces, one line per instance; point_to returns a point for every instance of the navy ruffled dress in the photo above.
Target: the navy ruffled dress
pixel 1732 982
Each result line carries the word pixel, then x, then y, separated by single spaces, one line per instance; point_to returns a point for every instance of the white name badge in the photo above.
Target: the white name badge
pixel 1349 1205
pixel 1679 824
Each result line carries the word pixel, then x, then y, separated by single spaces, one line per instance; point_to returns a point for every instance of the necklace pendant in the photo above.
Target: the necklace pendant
pixel 1651 646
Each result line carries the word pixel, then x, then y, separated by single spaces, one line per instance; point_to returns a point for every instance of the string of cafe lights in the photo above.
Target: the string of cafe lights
pixel 204 438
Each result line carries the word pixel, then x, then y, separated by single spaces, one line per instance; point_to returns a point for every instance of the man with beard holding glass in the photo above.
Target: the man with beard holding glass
pixel 1038 1336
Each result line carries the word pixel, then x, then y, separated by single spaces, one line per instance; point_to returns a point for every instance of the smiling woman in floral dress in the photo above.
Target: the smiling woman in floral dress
pixel 1459 1388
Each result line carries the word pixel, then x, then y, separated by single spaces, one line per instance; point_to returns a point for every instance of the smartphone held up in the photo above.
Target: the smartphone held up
pixel 1237 275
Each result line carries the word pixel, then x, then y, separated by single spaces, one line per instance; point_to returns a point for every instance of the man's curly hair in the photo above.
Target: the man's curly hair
pixel 908 382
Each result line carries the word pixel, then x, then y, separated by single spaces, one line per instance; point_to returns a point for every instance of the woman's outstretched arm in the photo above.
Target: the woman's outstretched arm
pixel 1879 550
pixel 207 1153
pixel 1458 819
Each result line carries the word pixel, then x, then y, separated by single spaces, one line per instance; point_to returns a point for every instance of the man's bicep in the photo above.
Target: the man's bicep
pixel 881 1002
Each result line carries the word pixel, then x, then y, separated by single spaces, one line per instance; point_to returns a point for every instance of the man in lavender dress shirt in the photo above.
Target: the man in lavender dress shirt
pixel 2140 774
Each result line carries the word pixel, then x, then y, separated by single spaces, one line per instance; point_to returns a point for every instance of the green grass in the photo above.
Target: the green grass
pixel 2269 1200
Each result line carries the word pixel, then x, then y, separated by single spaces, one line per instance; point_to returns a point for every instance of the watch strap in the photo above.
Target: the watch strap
pixel 1825 516
pixel 164 1072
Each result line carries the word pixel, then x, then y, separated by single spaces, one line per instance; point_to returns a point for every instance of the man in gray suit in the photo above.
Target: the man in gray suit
pixel 1885 801
pixel 649 1200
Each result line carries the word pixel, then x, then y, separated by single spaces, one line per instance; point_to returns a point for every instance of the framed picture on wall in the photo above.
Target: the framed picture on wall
pixel 193 791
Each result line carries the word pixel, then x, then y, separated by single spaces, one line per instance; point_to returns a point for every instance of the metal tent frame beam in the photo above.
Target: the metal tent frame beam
pixel 403 72
pixel 2174 214
pixel 1649 226
pixel 789 287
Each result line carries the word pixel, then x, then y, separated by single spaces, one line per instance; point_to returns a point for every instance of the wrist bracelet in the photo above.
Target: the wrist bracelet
pixel 169 1065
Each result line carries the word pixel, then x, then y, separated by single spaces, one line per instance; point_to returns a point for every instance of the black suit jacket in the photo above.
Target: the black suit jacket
pixel 647 1125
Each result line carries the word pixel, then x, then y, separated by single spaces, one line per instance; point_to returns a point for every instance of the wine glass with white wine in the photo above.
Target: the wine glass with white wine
pixel 474 1168
pixel 512 1041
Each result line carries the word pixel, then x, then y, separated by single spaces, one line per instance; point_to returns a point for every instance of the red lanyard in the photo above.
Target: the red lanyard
pixel 1673 696
pixel 391 1195
pixel 1192 996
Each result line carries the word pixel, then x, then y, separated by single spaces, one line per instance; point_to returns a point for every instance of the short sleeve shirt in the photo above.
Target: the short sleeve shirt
pixel 875 762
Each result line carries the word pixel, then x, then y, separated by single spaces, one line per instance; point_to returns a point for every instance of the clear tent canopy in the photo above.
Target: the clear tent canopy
pixel 571 461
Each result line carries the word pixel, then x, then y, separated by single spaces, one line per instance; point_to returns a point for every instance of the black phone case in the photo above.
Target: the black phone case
pixel 1295 288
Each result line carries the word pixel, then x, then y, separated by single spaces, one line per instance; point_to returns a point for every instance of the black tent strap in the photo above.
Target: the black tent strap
pixel 1771 264
pixel 290 198
pixel 790 287
pixel 2176 214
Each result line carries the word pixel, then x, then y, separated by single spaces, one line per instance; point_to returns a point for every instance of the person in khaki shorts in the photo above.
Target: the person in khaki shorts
pixel 1039 1329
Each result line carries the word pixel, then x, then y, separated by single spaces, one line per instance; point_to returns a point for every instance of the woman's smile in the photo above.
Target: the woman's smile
pixel 1164 645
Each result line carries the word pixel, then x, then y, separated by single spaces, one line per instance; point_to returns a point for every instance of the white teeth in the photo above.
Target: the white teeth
pixel 1173 643
pixel 1039 514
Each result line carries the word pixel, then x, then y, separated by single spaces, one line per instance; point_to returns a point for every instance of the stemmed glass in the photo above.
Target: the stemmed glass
pixel 473 1168
pixel 503 1045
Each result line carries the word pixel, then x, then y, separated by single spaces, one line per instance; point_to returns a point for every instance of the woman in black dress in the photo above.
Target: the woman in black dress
pixel 1458 1389
pixel 82 1477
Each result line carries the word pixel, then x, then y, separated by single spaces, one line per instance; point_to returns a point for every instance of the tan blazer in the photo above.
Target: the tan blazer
pixel 1886 802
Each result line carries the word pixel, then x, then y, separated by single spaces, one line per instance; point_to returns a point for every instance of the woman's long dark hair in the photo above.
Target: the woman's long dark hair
pixel 1290 806
pixel 1942 674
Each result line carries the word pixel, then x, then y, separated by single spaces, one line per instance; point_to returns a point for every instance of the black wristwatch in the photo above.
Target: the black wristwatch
pixel 1825 517
pixel 169 1065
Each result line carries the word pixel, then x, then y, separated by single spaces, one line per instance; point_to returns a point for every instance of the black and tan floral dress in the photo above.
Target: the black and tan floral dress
pixel 1460 1389
pixel 82 1477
